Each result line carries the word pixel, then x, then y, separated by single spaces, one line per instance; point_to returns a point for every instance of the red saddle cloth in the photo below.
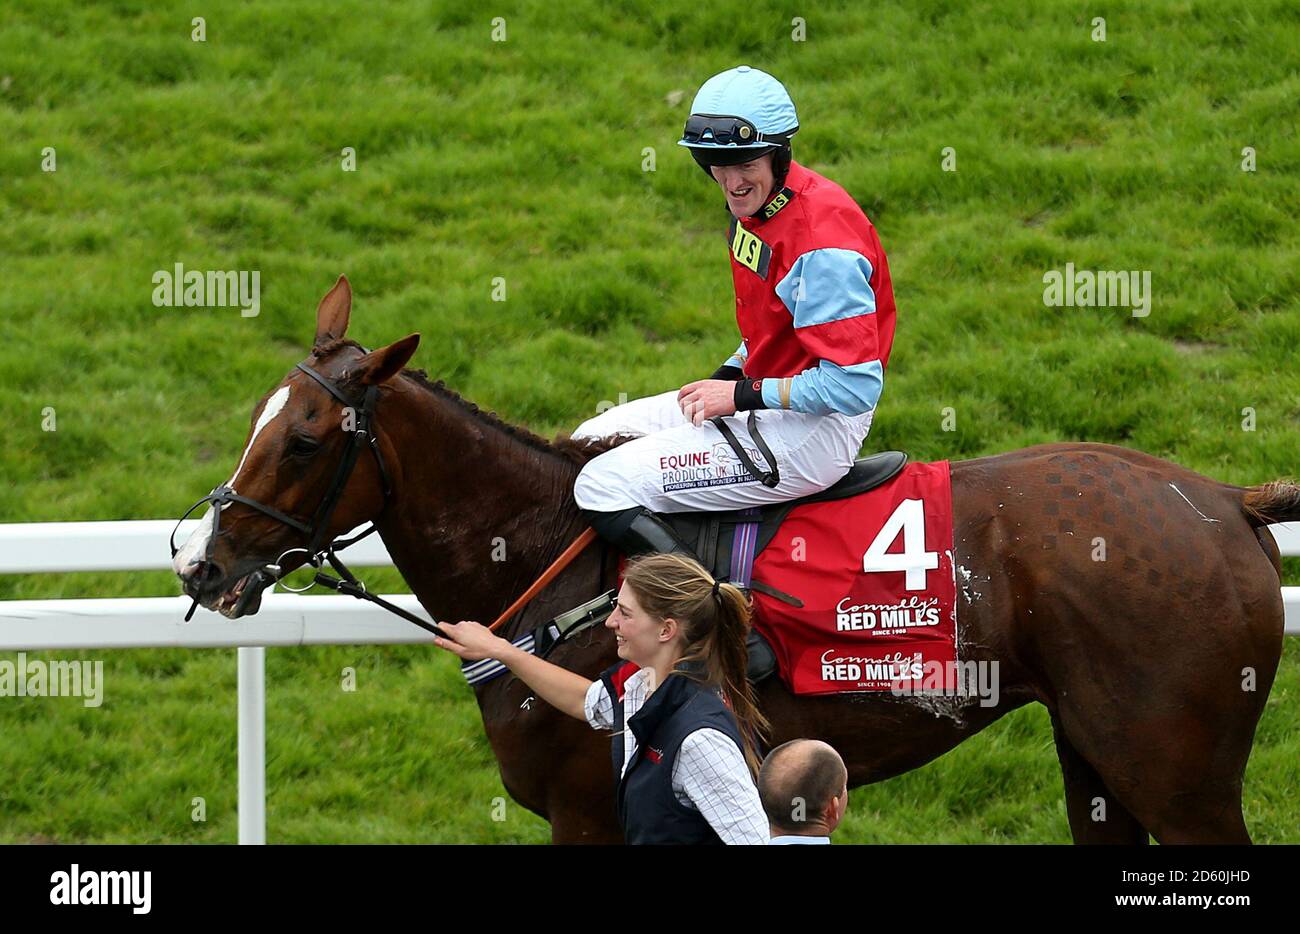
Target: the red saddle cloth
pixel 876 576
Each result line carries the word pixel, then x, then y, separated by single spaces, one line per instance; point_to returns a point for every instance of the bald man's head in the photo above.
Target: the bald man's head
pixel 798 783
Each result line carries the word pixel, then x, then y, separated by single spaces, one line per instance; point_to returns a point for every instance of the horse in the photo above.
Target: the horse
pixel 1154 664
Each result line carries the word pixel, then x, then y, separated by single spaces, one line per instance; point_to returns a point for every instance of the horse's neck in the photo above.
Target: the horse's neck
pixel 476 514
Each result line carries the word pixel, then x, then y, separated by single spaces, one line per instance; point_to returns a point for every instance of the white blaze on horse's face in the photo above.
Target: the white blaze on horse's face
pixel 196 546
pixel 273 407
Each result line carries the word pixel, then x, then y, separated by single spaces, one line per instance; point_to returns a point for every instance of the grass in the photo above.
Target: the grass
pixel 523 160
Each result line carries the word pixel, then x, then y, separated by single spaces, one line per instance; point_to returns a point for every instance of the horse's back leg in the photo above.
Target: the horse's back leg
pixel 1183 784
pixel 1096 815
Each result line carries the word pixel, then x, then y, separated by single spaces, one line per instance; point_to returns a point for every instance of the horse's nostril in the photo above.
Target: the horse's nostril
pixel 202 573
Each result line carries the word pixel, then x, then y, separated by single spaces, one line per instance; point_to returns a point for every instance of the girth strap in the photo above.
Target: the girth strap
pixel 744 539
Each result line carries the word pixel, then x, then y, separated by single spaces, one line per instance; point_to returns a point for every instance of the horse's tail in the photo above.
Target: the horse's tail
pixel 1278 501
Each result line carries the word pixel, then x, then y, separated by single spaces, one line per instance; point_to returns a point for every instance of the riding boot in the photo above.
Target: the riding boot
pixel 636 531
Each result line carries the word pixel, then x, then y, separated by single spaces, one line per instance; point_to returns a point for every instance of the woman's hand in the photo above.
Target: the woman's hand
pixel 562 689
pixel 470 641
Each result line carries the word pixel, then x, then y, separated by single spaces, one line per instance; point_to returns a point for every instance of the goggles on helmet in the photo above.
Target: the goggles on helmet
pixel 726 131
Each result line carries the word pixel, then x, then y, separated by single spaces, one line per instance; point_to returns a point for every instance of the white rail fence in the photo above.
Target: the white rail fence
pixel 284 619
pixel 159 622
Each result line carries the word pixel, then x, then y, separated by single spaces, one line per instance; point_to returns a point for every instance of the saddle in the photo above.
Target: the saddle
pixel 712 534
pixel 727 542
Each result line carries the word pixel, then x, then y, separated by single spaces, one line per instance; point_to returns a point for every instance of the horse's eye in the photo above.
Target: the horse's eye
pixel 303 447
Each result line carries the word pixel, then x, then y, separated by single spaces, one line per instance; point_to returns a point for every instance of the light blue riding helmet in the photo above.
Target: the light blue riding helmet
pixel 737 115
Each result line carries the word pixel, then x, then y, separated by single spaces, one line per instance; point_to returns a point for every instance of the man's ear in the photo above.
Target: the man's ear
pixel 831 813
pixel 383 364
pixel 332 312
pixel 836 808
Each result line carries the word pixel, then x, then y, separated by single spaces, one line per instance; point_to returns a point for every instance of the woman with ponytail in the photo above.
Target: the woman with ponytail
pixel 685 725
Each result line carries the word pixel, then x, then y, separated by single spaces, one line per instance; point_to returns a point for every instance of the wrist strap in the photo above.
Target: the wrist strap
pixel 749 395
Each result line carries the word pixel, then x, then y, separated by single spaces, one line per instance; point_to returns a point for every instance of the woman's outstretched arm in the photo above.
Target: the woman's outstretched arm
pixel 559 687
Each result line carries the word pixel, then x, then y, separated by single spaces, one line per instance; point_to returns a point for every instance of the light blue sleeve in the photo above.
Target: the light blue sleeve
pixel 738 358
pixel 828 387
pixel 829 294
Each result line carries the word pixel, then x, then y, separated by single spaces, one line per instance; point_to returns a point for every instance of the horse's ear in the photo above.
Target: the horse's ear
pixel 332 312
pixel 383 364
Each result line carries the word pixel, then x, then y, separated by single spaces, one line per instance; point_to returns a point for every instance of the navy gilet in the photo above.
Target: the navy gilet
pixel 647 807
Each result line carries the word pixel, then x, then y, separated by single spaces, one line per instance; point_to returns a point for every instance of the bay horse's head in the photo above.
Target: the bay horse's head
pixel 311 469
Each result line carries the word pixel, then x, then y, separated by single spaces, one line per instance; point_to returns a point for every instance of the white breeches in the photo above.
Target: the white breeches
pixel 673 466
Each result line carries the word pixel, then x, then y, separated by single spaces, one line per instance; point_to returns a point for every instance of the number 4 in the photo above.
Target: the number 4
pixel 909 518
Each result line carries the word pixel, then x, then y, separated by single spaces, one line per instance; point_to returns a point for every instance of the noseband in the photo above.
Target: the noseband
pixel 317 550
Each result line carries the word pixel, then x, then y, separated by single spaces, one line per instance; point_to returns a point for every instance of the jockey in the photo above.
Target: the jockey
pixel 815 310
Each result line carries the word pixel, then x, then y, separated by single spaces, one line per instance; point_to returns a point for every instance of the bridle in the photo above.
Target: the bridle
pixel 317 551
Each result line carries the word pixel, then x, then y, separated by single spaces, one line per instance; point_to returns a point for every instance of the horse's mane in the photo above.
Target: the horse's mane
pixel 576 450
